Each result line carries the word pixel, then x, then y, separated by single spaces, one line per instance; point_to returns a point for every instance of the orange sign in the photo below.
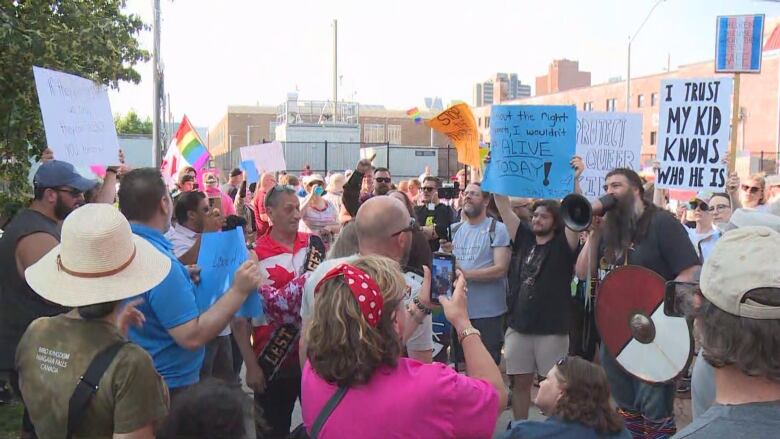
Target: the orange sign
pixel 459 125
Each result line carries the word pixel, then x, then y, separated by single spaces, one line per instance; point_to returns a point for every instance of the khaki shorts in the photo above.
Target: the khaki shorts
pixel 527 353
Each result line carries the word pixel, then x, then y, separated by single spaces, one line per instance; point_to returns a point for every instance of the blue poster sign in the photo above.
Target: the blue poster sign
pixel 738 45
pixel 531 147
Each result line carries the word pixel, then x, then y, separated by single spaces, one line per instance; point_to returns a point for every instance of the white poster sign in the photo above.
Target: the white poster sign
pixel 606 141
pixel 268 157
pixel 693 135
pixel 77 118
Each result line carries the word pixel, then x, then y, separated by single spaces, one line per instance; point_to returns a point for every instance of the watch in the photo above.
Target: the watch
pixel 468 331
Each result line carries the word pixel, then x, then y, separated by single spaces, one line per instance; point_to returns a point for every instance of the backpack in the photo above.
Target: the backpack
pixel 491 231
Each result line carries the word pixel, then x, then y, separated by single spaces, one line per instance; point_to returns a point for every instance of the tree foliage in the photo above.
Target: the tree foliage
pixel 94 39
pixel 130 123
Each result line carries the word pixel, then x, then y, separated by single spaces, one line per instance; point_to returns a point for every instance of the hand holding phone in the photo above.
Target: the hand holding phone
pixel 442 276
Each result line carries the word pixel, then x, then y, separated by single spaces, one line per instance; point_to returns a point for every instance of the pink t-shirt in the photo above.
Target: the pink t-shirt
pixel 412 400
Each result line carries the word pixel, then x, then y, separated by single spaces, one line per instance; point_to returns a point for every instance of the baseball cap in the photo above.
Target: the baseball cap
pixel 772 180
pixel 743 259
pixel 56 173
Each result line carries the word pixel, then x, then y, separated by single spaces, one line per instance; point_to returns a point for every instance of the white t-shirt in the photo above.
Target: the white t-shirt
pixel 422 337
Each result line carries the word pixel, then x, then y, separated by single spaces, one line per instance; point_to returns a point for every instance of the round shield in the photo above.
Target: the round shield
pixel 630 317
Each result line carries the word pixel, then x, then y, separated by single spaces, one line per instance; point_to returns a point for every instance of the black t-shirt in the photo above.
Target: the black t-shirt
pixel 666 248
pixel 540 284
pixel 441 216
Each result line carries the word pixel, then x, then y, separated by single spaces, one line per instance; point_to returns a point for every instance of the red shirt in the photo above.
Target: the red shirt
pixel 259 204
pixel 282 265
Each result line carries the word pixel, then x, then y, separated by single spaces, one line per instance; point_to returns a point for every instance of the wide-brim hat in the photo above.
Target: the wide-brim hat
pixel 98 260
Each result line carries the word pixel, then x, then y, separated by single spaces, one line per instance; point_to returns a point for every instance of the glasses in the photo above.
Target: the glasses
pixel 412 225
pixel 751 189
pixel 382 180
pixel 562 361
pixel 699 205
pixel 428 189
pixel 75 193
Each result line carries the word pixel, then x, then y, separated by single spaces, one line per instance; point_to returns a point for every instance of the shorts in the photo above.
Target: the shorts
pixel 491 329
pixel 528 353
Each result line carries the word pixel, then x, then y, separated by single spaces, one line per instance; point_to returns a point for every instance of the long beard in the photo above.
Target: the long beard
pixel 620 228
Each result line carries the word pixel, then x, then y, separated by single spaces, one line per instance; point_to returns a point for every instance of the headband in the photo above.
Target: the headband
pixel 364 289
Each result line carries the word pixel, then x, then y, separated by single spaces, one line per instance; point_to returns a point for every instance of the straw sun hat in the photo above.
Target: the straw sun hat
pixel 98 260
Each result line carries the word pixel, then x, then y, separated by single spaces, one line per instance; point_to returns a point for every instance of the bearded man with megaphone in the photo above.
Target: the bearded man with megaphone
pixel 636 249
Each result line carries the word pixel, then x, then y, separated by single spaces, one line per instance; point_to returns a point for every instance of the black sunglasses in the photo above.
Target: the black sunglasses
pixel 382 180
pixel 562 361
pixel 701 204
pixel 751 189
pixel 412 225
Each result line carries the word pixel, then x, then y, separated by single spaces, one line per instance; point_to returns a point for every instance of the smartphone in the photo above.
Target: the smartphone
pixel 442 275
pixel 215 203
pixel 682 299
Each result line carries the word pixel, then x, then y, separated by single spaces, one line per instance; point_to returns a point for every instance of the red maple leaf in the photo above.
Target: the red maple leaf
pixel 279 276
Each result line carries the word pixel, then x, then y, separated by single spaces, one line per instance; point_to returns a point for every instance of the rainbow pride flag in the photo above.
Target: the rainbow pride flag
pixel 190 145
pixel 414 113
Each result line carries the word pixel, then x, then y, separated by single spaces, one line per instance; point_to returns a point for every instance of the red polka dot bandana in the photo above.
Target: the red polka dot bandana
pixel 364 289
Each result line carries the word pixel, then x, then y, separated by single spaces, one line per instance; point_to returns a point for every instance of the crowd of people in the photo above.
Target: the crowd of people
pixel 101 332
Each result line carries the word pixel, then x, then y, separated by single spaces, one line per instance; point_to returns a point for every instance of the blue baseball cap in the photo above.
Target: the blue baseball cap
pixel 57 173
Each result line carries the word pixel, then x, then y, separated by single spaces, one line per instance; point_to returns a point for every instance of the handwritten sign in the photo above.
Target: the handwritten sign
pixel 531 150
pixel 267 156
pixel 459 125
pixel 77 118
pixel 693 136
pixel 221 253
pixel 606 141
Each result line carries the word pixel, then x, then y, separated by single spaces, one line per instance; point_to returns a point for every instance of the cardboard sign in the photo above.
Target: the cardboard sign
pixel 221 253
pixel 268 157
pixel 531 150
pixel 606 141
pixel 459 125
pixel 77 118
pixel 693 136
pixel 738 43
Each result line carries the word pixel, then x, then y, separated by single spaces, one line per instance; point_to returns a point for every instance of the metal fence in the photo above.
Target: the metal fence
pixel 404 161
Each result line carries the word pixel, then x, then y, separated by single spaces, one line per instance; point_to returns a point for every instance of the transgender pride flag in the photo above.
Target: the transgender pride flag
pixel 739 43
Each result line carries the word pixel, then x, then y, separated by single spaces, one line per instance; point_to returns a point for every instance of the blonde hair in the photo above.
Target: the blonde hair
pixel 341 346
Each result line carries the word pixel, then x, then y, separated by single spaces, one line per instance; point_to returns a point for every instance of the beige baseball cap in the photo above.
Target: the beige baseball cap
pixel 743 259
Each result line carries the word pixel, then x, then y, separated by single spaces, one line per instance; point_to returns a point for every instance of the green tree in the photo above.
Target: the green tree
pixel 94 39
pixel 130 123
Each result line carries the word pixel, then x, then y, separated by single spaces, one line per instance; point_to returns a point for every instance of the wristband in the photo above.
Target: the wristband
pixel 411 312
pixel 467 332
pixel 425 310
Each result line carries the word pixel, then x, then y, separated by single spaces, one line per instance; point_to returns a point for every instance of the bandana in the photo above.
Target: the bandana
pixel 364 289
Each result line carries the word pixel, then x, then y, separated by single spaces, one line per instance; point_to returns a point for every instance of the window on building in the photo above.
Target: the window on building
pixel 479 122
pixel 587 106
pixel 640 101
pixel 653 99
pixel 394 134
pixel 373 132
pixel 487 121
pixel 653 135
pixel 272 130
pixel 611 104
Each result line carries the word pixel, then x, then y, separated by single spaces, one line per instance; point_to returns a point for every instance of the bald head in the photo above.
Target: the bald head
pixel 377 219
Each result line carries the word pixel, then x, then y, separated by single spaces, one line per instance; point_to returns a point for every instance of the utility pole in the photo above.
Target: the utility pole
pixel 335 66
pixel 156 73
pixel 630 40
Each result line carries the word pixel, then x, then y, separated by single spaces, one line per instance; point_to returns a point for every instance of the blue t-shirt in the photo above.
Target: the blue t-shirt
pixel 555 428
pixel 169 304
pixel 473 250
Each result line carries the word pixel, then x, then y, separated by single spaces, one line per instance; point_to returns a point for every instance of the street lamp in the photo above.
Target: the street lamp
pixel 248 128
pixel 630 40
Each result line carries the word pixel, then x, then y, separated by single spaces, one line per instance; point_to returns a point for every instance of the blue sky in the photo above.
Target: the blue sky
pixel 244 52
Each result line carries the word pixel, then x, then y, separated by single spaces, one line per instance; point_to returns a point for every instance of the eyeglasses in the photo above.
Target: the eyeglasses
pixel 412 225
pixel 428 189
pixel 382 180
pixel 75 193
pixel 751 189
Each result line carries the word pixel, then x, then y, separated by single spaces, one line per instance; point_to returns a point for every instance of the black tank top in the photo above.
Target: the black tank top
pixel 19 304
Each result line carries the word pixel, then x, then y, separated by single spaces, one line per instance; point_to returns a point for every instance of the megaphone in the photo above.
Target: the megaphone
pixel 577 211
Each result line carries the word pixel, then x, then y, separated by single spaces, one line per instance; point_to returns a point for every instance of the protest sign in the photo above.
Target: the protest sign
pixel 606 141
pixel 459 125
pixel 267 156
pixel 250 168
pixel 77 118
pixel 220 255
pixel 693 135
pixel 531 150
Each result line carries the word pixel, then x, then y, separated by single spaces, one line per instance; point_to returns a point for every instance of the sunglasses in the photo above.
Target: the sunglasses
pixel 699 204
pixel 75 193
pixel 751 189
pixel 562 361
pixel 429 189
pixel 412 225
pixel 382 180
